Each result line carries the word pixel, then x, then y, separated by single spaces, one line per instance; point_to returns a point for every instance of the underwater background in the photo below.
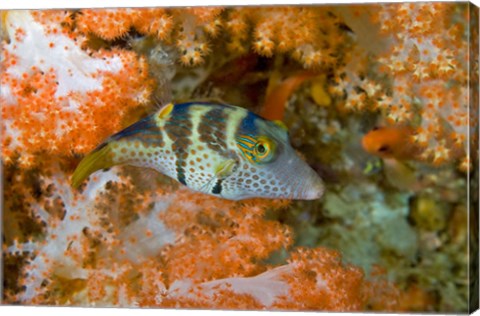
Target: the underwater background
pixel 377 99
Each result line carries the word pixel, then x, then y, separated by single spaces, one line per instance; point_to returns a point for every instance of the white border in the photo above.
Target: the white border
pixel 73 311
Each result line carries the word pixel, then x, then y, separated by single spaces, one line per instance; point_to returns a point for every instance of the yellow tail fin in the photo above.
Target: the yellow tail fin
pixel 98 159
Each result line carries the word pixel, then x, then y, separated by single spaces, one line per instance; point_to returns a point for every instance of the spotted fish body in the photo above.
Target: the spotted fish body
pixel 216 149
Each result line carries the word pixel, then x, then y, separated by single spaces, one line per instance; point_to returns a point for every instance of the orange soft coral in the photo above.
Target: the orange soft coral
pixel 267 30
pixel 428 63
pixel 111 24
pixel 113 245
pixel 189 27
pixel 55 96
pixel 292 30
pixel 422 56
pixel 319 280
pixel 233 235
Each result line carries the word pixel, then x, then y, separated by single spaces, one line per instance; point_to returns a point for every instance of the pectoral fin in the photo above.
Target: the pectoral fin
pixel 226 168
pixel 222 171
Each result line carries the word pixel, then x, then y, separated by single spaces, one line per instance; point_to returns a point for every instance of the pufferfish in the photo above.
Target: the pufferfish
pixel 217 149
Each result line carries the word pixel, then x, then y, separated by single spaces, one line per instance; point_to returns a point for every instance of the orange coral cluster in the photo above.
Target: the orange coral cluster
pixel 314 279
pixel 234 232
pixel 55 96
pixel 267 30
pixel 310 35
pixel 430 67
pixel 187 28
pixel 114 245
pixel 424 55
pixel 112 24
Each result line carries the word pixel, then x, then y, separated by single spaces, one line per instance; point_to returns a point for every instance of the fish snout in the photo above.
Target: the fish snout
pixel 312 188
pixel 315 190
pixel 300 180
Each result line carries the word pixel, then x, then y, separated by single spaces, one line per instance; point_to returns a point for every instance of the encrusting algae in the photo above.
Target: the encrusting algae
pixel 260 107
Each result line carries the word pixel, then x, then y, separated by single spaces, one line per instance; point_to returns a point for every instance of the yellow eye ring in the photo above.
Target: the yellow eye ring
pixel 263 148
pixel 256 150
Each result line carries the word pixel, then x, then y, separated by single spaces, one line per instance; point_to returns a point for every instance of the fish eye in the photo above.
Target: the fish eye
pixel 384 149
pixel 257 149
pixel 263 149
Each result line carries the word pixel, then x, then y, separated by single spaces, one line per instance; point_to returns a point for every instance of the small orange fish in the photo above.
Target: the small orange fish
pixel 392 142
pixel 395 147
pixel 274 105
